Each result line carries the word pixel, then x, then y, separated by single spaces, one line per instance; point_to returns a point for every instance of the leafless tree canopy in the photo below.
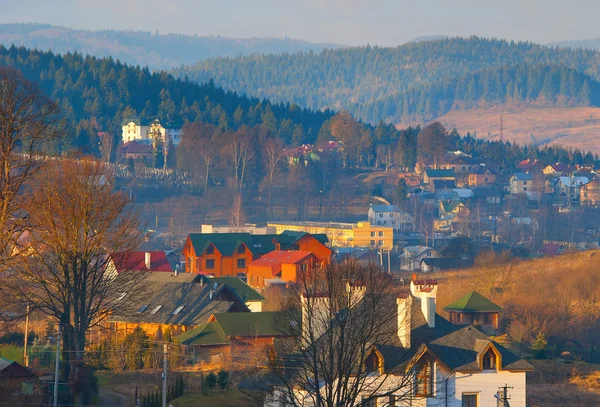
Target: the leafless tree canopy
pixel 28 122
pixel 346 315
pixel 75 221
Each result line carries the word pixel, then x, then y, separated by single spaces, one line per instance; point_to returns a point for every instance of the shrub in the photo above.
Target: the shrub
pixel 210 381
pixel 223 379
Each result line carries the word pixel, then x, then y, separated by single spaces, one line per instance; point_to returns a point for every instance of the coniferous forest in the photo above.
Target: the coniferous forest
pixel 376 83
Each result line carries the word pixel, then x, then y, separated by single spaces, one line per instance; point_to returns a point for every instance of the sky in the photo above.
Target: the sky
pixel 349 22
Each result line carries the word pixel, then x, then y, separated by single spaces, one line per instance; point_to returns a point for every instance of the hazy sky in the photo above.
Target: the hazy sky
pixel 382 22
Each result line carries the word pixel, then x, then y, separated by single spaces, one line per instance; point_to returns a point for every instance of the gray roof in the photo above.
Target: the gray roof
pixel 385 208
pixel 460 351
pixel 165 296
pixel 523 176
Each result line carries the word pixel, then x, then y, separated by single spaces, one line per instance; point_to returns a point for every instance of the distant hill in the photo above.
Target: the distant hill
pixel 430 38
pixel 144 48
pixel 96 94
pixel 591 43
pixel 368 80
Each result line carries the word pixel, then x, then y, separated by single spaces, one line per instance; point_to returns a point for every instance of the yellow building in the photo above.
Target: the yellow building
pixel 361 234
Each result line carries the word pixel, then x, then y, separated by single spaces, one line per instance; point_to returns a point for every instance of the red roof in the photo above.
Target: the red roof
pixel 136 261
pixel 276 258
pixel 133 147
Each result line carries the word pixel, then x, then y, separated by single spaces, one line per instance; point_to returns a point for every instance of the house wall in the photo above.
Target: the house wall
pixel 257 275
pixel 310 244
pixel 485 384
pixel 367 235
pixel 151 330
pixel 481 179
pixel 224 265
pixel 254 306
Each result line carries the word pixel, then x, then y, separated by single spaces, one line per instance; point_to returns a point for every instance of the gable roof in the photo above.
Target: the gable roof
pixel 136 261
pixel 522 176
pixel 166 295
pixel 444 183
pixel 473 302
pixel 243 290
pixel 385 208
pixel 11 369
pixel 222 327
pixel 228 243
pixel 460 351
pixel 438 173
pixel 135 147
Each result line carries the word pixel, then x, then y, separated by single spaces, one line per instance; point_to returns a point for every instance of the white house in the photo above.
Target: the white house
pixel 133 129
pixel 410 259
pixel 391 216
pixel 569 187
pixel 445 365
pixel 521 182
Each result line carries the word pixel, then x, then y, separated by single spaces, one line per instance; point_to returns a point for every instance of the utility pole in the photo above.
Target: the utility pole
pixel 389 263
pixel 501 128
pixel 25 357
pixel 164 389
pixel 504 399
pixel 56 367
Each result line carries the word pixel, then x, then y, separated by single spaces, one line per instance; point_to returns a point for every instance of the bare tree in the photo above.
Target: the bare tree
pixel 346 319
pixel 239 153
pixel 273 152
pixel 76 221
pixel 28 122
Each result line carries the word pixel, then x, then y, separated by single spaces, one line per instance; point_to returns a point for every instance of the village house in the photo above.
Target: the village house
pixel 361 234
pixel 154 261
pixel 411 257
pixel 229 254
pixel 19 386
pixel 281 267
pixel 233 335
pixel 135 150
pixel 178 301
pixel 489 195
pixel 391 216
pixel 430 361
pixel 557 170
pixel 133 129
pixel 474 309
pixel 461 164
pixel 521 183
pixel 569 187
pixel 436 179
pixel 480 177
pixel 589 194
pixel 253 300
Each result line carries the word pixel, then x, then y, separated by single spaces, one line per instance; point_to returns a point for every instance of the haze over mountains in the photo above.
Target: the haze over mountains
pixel 157 51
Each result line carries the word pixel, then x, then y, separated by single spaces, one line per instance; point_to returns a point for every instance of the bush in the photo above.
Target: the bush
pixel 223 379
pixel 210 381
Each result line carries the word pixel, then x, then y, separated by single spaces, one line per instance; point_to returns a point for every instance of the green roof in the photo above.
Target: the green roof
pixel 205 334
pixel 473 302
pixel 449 206
pixel 243 290
pixel 227 243
pixel 435 173
pixel 248 323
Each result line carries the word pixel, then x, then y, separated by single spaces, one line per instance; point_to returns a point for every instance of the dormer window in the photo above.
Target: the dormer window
pixel 424 377
pixel 489 360
pixel 372 363
pixel 210 249
pixel 241 249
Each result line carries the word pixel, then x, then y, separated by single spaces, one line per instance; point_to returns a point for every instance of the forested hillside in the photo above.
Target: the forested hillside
pixel 97 94
pixel 156 51
pixel 542 85
pixel 353 77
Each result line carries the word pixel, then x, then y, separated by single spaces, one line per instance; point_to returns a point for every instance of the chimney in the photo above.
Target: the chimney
pixel 426 291
pixel 148 260
pixel 404 320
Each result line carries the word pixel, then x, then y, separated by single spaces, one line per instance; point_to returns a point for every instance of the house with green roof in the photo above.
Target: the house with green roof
pixel 475 309
pixel 233 335
pixel 229 254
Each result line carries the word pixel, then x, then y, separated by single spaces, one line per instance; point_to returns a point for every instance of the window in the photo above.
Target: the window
pixel 366 402
pixel 424 378
pixel 380 234
pixel 178 309
pixel 241 249
pixel 210 264
pixel 391 215
pixel 372 363
pixel 524 182
pixel 241 263
pixel 372 234
pixel 524 188
pixel 489 360
pixel 469 400
pixel 210 249
pixel 380 242
pixel 393 222
pixel 142 309
pixel 155 310
pixel 372 242
pixel 381 215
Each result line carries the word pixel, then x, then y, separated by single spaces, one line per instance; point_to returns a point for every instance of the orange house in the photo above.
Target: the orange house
pixel 483 176
pixel 281 266
pixel 229 254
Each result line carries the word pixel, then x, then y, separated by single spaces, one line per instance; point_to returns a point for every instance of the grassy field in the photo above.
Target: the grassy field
pixel 231 398
pixel 576 127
